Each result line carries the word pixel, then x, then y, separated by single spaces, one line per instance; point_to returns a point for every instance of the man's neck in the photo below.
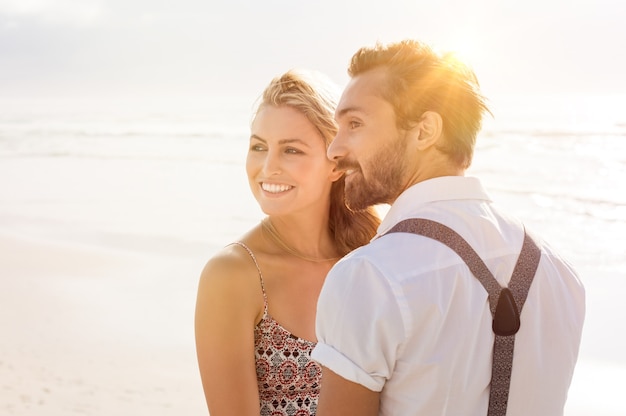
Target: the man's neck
pixel 436 168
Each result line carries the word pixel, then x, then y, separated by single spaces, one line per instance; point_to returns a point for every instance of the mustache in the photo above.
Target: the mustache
pixel 347 164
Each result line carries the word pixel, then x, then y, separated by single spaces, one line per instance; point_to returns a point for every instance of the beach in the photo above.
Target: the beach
pixel 89 332
pixel 108 214
pixel 97 309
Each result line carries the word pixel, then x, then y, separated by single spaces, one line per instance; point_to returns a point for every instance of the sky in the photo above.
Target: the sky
pixel 220 48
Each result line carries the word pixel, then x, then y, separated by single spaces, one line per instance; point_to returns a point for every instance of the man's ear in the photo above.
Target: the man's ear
pixel 430 130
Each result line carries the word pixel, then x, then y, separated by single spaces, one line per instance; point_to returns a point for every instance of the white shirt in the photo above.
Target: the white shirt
pixel 403 315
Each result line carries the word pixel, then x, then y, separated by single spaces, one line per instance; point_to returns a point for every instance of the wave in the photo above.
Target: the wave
pixel 531 132
pixel 212 159
pixel 118 132
pixel 229 133
pixel 604 209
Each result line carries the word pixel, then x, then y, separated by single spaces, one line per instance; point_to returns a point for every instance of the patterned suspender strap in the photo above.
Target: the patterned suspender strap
pixel 505 303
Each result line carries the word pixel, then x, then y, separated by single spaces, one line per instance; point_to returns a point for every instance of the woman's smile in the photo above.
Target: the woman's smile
pixel 275 188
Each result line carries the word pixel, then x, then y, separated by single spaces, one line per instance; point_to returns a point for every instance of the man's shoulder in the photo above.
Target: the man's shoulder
pixel 388 257
pixel 381 249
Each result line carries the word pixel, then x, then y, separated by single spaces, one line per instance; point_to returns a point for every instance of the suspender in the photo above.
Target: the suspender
pixel 505 303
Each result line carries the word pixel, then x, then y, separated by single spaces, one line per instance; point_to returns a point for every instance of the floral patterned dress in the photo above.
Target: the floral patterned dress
pixel 288 379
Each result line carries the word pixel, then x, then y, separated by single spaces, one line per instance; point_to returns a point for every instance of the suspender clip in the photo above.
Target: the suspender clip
pixel 506 319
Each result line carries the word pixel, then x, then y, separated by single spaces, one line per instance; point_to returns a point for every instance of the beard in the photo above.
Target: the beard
pixel 385 180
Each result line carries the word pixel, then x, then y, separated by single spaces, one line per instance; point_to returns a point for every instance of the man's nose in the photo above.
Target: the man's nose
pixel 336 149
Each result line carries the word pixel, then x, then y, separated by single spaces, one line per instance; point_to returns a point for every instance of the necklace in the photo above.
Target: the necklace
pixel 271 231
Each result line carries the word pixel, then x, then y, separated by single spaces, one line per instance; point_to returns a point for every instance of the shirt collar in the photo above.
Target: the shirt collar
pixel 445 188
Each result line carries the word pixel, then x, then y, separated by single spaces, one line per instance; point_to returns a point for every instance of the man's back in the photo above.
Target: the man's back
pixel 427 339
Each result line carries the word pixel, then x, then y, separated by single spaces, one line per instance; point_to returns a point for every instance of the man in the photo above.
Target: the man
pixel 404 328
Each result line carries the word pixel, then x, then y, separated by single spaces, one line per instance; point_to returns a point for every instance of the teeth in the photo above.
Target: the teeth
pixel 275 188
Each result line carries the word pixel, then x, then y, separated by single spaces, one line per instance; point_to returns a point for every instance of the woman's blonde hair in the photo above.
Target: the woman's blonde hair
pixel 316 97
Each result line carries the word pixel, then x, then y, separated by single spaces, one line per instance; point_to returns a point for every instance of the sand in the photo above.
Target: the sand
pixel 94 331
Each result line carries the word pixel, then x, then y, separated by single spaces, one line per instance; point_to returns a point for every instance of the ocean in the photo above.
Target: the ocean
pixel 166 177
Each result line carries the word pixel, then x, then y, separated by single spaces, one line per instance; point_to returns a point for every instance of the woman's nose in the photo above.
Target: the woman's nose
pixel 271 165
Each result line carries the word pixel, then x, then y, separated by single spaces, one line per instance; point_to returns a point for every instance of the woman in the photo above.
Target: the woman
pixel 255 312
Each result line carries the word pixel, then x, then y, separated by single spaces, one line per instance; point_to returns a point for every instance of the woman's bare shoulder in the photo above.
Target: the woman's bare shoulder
pixel 232 265
pixel 230 284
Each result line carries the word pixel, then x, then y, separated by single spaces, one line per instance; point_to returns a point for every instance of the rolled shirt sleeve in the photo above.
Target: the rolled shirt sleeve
pixel 359 325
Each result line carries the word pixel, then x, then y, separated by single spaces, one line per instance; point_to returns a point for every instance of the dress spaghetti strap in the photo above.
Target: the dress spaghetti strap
pixel 287 378
pixel 239 243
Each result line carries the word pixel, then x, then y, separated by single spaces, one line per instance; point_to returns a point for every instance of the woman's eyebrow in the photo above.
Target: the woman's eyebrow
pixel 282 141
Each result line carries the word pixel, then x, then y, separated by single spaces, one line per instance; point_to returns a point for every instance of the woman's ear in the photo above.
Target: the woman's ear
pixel 335 174
pixel 429 129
